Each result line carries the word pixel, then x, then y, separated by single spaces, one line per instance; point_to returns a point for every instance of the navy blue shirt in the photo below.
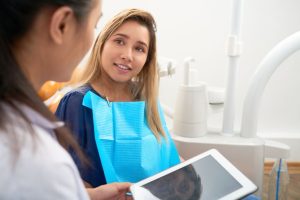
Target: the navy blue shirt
pixel 80 120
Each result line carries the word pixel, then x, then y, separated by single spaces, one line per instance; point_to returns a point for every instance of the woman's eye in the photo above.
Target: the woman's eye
pixel 140 49
pixel 118 41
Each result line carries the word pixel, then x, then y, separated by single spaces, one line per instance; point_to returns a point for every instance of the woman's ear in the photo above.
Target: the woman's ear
pixel 61 22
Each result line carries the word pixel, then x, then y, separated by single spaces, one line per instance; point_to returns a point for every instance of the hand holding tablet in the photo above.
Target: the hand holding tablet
pixel 207 176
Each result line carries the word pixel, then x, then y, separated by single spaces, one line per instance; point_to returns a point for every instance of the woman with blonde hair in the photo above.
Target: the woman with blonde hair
pixel 115 113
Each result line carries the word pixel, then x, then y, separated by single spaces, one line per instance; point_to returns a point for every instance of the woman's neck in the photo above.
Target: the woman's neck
pixel 113 91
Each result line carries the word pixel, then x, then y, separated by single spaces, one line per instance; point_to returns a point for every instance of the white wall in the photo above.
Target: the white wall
pixel 200 28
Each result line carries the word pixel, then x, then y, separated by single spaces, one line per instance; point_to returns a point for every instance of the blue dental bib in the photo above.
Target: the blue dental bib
pixel 128 150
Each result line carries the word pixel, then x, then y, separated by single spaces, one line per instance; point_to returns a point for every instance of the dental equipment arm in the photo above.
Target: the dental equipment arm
pixel 264 72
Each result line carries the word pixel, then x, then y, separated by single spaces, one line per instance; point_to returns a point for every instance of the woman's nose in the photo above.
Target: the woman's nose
pixel 127 54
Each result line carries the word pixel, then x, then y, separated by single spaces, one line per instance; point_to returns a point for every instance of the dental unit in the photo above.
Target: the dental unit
pixel 242 147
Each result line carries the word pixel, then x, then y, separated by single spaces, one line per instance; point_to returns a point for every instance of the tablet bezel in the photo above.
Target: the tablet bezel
pixel 247 185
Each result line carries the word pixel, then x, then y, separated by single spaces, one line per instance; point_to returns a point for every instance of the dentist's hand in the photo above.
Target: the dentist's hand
pixel 113 191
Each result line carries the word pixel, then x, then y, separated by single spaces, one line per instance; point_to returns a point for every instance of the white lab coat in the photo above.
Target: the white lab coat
pixel 42 169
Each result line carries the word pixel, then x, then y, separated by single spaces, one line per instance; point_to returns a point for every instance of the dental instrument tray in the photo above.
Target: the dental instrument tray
pixel 207 176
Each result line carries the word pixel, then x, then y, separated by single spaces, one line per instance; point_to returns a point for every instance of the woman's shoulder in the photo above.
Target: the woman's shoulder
pixel 40 165
pixel 70 106
pixel 78 92
pixel 74 97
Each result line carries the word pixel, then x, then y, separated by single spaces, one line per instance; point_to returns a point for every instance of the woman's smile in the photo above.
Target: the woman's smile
pixel 122 67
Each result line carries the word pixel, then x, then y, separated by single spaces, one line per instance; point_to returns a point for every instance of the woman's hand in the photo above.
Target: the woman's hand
pixel 113 191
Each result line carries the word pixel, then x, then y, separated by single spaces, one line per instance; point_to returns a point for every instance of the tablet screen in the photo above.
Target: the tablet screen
pixel 203 179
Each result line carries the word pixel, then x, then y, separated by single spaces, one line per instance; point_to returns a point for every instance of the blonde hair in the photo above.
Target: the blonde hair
pixel 146 82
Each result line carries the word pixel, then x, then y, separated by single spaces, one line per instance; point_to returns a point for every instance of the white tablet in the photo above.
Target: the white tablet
pixel 207 176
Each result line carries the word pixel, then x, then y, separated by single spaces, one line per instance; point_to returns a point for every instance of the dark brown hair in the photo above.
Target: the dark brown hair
pixel 16 18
